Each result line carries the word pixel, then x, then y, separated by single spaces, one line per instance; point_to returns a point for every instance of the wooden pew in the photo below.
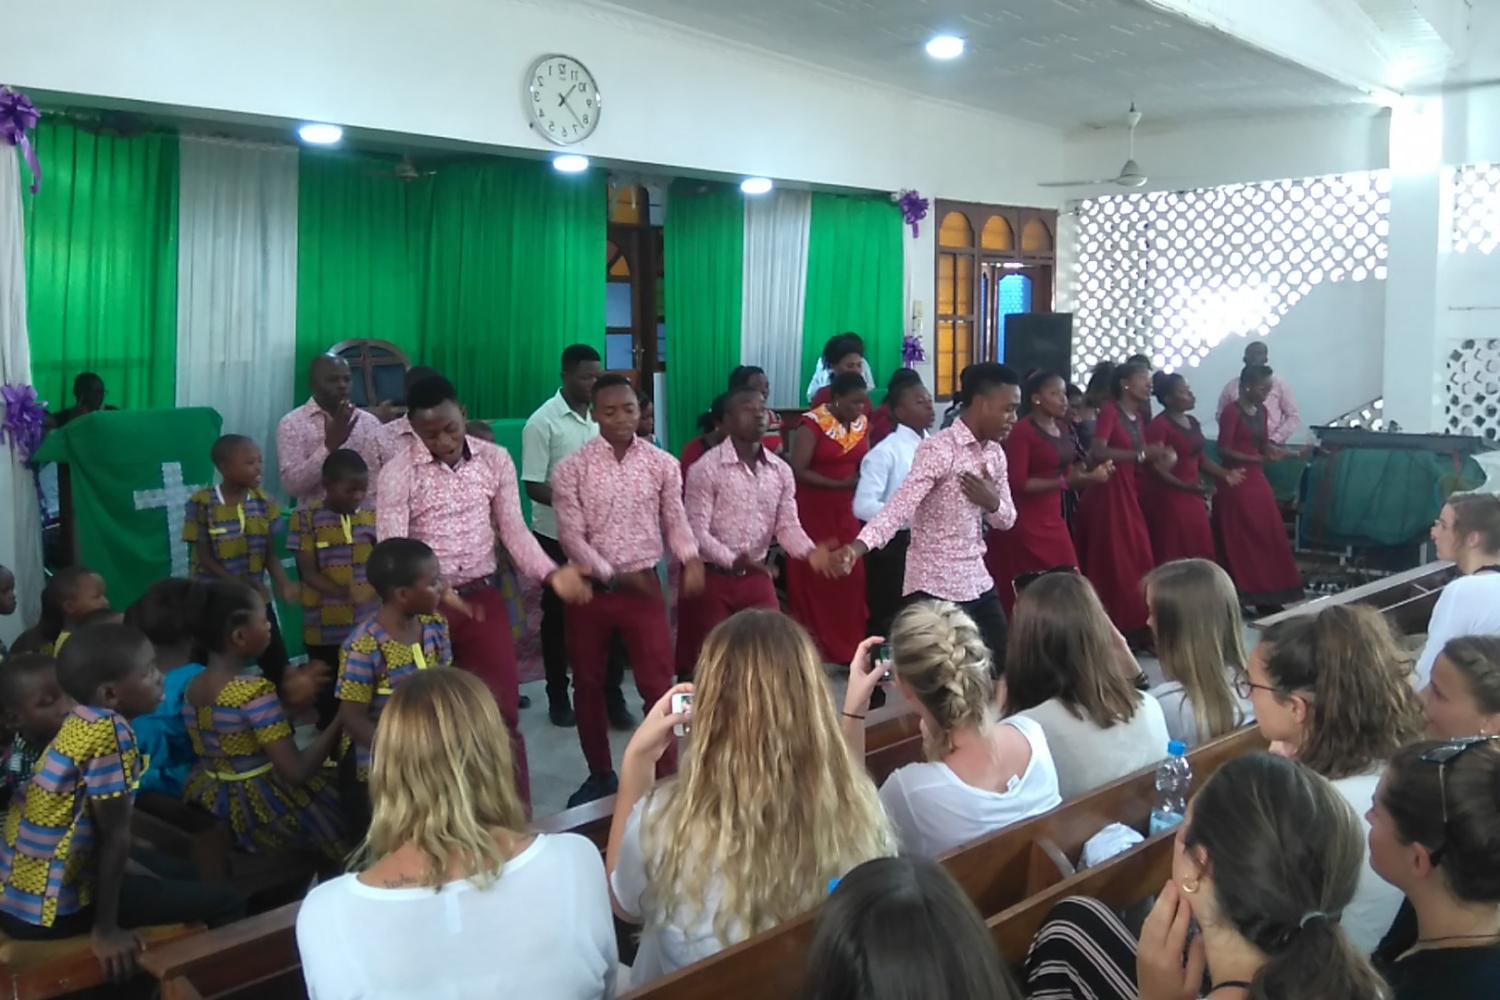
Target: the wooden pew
pixel 39 970
pixel 1406 598
pixel 999 872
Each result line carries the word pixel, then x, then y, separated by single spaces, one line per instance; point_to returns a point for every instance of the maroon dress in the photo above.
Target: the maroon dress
pixel 1040 540
pixel 1247 523
pixel 834 611
pixel 1114 546
pixel 1176 519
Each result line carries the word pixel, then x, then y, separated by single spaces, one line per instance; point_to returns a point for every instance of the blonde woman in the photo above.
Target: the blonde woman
pixel 1194 615
pixel 767 807
pixel 453 898
pixel 1063 669
pixel 1333 691
pixel 981 774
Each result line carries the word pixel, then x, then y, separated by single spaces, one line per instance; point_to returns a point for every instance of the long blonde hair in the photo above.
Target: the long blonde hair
pixel 768 805
pixel 940 655
pixel 442 779
pixel 1199 638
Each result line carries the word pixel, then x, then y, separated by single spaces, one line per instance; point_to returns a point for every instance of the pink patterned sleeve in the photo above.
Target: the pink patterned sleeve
pixel 1004 517
pixel 927 468
pixel 525 551
pixel 299 455
pixel 674 520
pixel 393 506
pixel 699 506
pixel 789 531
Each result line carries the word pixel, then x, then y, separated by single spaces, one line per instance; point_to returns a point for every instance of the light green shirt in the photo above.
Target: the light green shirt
pixel 551 434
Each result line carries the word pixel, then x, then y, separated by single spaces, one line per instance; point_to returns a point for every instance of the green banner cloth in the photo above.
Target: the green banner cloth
pixel 132 472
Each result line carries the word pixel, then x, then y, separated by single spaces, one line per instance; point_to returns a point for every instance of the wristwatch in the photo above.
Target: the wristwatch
pixel 1140 456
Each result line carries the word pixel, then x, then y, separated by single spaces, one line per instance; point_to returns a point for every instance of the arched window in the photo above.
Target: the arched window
pixel 379 370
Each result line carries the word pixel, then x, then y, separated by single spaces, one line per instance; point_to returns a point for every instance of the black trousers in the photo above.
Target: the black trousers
pixel 555 647
pixel 885 573
pixel 326 704
pixel 989 616
pixel 273 661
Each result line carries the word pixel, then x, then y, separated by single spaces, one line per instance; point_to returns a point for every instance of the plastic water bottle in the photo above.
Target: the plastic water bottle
pixel 1173 779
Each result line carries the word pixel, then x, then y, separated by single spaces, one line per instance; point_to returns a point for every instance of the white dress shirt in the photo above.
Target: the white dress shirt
pixel 883 469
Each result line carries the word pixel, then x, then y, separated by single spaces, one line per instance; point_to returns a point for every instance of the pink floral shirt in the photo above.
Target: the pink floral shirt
pixel 457 509
pixel 946 558
pixel 300 452
pixel 736 508
pixel 611 513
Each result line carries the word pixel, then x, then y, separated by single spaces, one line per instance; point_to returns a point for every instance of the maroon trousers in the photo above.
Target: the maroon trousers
pixel 484 649
pixel 723 595
pixel 641 620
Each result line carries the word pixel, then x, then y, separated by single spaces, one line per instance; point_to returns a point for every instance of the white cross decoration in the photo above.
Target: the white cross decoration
pixel 174 497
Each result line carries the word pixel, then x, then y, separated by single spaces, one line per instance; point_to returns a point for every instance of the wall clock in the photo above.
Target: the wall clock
pixel 562 99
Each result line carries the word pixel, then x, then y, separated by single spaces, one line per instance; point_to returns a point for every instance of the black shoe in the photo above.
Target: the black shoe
pixel 561 714
pixel 619 716
pixel 525 701
pixel 596 787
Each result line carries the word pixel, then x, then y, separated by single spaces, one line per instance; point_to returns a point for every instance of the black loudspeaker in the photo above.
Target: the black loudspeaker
pixel 1039 341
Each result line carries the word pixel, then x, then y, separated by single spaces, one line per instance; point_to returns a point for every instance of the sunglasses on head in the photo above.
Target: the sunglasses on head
pixel 1442 755
pixel 1025 580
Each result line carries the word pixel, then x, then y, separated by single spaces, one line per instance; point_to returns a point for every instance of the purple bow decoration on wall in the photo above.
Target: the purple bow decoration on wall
pixel 17 117
pixel 24 414
pixel 911 351
pixel 913 208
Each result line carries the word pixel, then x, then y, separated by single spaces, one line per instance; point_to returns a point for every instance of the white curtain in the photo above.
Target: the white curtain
pixel 775 288
pixel 21 520
pixel 237 285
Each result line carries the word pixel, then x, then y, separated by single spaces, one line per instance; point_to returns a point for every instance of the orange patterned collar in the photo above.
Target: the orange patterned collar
pixel 847 436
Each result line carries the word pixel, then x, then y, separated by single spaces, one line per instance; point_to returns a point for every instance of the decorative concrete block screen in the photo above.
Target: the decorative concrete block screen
pixel 1472 405
pixel 1370 416
pixel 1476 207
pixel 1174 273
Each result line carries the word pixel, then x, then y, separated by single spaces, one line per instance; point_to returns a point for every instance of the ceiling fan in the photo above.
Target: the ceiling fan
pixel 403 170
pixel 1130 174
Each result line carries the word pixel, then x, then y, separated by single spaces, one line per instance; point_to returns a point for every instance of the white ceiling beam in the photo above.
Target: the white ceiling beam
pixel 1336 38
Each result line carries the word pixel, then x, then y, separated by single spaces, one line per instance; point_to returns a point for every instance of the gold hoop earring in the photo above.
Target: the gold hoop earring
pixel 1189 886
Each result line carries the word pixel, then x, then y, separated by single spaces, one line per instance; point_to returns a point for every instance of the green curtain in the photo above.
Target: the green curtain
pixel 101 265
pixel 485 270
pixel 515 273
pixel 361 255
pixel 854 280
pixel 704 234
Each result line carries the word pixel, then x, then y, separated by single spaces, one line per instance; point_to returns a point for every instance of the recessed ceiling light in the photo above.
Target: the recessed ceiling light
pixel 320 134
pixel 945 46
pixel 570 163
pixel 755 185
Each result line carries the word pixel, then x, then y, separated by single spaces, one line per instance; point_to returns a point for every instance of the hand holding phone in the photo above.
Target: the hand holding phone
pixel 682 704
pixel 883 660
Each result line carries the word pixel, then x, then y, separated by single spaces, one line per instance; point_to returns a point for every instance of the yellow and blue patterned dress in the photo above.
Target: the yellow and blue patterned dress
pixel 236 781
pixel 47 853
pixel 372 663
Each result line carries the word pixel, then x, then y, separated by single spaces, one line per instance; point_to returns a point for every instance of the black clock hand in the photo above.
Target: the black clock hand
pixel 573 113
pixel 562 98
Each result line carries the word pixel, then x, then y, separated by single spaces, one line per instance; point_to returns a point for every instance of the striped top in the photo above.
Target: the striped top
pixel 228 735
pixel 47 853
pixel 341 543
pixel 240 534
pixel 372 663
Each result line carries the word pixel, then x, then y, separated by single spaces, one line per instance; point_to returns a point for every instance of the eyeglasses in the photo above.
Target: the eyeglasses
pixel 1446 753
pixel 1243 685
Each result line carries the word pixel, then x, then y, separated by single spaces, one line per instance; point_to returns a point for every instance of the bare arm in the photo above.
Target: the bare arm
pixel 354 719
pixel 539 493
pixel 312 576
pixel 801 457
pixel 296 767
pixel 116 949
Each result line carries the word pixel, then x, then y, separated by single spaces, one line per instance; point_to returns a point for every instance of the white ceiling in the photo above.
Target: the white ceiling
pixel 1062 63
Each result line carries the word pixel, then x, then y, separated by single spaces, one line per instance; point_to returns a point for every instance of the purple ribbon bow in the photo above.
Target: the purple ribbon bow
pixel 23 418
pixel 911 351
pixel 17 117
pixel 913 208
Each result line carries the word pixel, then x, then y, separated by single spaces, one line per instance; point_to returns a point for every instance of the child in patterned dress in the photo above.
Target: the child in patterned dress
pixel 67 834
pixel 251 775
pixel 228 530
pixel 332 539
pixel 404 636
pixel 32 706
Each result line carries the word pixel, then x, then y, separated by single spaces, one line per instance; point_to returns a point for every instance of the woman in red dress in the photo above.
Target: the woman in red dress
pixel 1247 523
pixel 1041 456
pixel 1114 545
pixel 830 442
pixel 1173 499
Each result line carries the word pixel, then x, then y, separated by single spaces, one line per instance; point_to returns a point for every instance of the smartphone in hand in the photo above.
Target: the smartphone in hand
pixel 883 660
pixel 681 702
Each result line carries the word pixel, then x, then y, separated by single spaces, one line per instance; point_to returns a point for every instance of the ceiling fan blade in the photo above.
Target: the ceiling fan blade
pixel 1068 184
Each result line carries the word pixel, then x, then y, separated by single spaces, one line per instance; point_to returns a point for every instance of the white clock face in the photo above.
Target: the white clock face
pixel 563 99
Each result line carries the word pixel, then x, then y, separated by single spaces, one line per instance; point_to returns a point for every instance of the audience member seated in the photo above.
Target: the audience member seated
pixel 902 929
pixel 1264 864
pixel 980 774
pixel 1467 532
pixel 1199 637
pixel 1063 670
pixel 168 613
pixel 1463 696
pixel 33 706
pixel 7 599
pixel 767 807
pixel 452 896
pixel 1333 691
pixel 72 596
pixel 1435 835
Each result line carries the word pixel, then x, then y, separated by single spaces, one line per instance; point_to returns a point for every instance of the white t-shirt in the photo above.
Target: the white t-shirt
pixel 543 930
pixel 934 810
pixel 1087 756
pixel 1373 908
pixel 1182 723
pixel 1469 605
